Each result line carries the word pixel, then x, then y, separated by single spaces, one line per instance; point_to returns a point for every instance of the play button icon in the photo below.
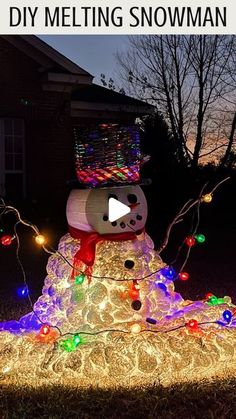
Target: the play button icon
pixel 116 209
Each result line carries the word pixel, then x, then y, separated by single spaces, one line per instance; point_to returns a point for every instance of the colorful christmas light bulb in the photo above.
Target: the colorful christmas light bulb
pixel 134 294
pixel 135 328
pixel 183 276
pixel 68 345
pixel 168 273
pixel 192 324
pixel 200 238
pixel 77 340
pixel 207 198
pixel 6 240
pixel 227 315
pixel 190 241
pixel 213 300
pixel 23 291
pixel 40 239
pixel 45 330
pixel 79 279
pixel 209 295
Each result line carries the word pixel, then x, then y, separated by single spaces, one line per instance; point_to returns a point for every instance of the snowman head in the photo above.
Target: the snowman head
pixel 87 209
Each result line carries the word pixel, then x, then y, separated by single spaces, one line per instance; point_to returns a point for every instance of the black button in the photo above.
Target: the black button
pixel 132 198
pixel 129 264
pixel 132 222
pixel 136 305
pixel 139 217
pixel 150 320
pixel 122 225
pixel 105 218
pixel 114 223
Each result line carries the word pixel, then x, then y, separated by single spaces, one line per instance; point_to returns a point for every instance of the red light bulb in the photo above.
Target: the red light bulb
pixel 184 276
pixel 45 330
pixel 134 294
pixel 209 295
pixel 190 241
pixel 192 324
pixel 6 240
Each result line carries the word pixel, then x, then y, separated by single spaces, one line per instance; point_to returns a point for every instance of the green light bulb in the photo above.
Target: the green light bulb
pixel 79 279
pixel 77 340
pixel 200 238
pixel 213 301
pixel 68 345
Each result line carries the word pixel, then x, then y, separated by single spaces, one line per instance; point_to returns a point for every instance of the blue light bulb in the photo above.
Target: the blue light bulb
pixel 169 273
pixel 23 292
pixel 227 315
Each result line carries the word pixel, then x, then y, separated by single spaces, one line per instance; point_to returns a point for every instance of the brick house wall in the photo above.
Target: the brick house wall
pixel 48 133
pixel 51 95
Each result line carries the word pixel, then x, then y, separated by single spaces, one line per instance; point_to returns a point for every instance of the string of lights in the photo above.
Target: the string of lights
pixel 166 270
pixel 207 198
pixel 192 325
pixel 41 240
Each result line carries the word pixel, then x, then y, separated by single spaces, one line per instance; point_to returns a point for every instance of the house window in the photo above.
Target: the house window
pixel 12 161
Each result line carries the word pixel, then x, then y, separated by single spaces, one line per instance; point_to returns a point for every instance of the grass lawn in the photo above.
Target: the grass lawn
pixel 215 399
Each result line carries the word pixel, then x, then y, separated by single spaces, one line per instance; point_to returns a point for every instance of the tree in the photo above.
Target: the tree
pixel 157 141
pixel 189 78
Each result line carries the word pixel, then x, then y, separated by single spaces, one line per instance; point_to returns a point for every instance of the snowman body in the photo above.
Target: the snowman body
pixel 108 298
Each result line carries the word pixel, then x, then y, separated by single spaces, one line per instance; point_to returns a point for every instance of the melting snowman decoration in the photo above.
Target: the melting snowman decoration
pixel 87 209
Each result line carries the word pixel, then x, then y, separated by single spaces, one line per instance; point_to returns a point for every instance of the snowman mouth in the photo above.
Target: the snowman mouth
pixel 132 206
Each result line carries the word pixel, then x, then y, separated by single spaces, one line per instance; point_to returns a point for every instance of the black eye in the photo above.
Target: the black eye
pixel 113 196
pixel 122 224
pixel 139 217
pixel 132 198
pixel 114 223
pixel 129 264
pixel 132 222
pixel 105 218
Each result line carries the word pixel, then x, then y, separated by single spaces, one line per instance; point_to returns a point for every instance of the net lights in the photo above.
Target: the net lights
pixel 108 153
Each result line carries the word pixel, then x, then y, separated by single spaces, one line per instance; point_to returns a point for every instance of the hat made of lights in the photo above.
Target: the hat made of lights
pixel 107 155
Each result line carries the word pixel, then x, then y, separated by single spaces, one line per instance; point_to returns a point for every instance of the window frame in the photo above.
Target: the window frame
pixel 3 170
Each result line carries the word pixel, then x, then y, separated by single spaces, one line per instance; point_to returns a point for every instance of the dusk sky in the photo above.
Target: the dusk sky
pixel 94 53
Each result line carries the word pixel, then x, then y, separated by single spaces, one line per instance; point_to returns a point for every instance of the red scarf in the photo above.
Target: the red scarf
pixel 88 241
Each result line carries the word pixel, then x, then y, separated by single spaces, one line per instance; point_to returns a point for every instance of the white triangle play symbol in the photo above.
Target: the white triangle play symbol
pixel 116 209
